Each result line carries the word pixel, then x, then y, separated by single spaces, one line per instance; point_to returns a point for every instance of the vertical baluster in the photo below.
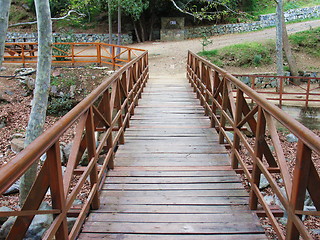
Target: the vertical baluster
pixel 258 153
pixel 91 147
pixel 56 187
pixel 224 108
pixel 237 119
pixel 299 186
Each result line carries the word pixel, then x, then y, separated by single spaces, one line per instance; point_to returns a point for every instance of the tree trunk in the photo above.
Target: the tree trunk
pixel 41 91
pixel 136 31
pixel 4 17
pixel 119 27
pixel 287 49
pixel 110 22
pixel 279 42
pixel 142 30
pixel 151 27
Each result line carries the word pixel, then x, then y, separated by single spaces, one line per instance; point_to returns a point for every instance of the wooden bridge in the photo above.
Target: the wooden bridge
pixel 173 165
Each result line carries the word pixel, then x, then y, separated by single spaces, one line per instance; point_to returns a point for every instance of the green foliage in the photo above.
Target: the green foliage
pixel 60 106
pixel 242 55
pixel 307 41
pixel 260 7
pixel 63 82
pixel 205 41
pixel 62 49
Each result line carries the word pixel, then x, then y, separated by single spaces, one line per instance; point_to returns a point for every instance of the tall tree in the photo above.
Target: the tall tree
pixel 4 17
pixel 41 91
pixel 279 38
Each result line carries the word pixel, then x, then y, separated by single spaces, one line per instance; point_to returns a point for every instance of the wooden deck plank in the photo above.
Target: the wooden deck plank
pixel 172 180
pixel 85 236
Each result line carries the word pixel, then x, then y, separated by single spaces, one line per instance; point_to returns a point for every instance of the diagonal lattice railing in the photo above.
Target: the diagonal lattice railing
pixel 238 112
pixel 99 122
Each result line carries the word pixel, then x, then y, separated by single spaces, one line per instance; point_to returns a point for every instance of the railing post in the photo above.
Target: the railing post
pixel 108 116
pixel 98 47
pixel 72 54
pixel 91 147
pixel 299 186
pixel 129 55
pixel 214 89
pixel 281 91
pixel 23 56
pixel 258 153
pixel 56 187
pixel 113 58
pixel 224 107
pixel 308 92
pixel 236 139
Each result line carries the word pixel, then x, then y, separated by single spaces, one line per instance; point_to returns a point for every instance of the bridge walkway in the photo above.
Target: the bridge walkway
pixel 172 179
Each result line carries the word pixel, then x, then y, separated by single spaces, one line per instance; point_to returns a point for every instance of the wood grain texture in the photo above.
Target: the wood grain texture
pixel 172 180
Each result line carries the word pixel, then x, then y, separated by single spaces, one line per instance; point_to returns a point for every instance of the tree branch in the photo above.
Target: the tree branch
pixel 53 19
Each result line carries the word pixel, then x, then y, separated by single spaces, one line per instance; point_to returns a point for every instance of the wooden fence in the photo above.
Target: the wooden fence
pixel 260 152
pixel 72 53
pixel 106 113
pixel 307 91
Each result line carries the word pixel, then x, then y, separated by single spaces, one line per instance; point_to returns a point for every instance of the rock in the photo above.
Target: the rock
pixel 24 71
pixel 67 150
pixel 10 93
pixel 263 182
pixel 269 199
pixel 308 208
pixel 17 135
pixel 72 90
pixel 17 144
pixel 283 220
pixel 308 201
pixel 315 231
pixel 40 223
pixel 230 135
pixel 6 226
pixel 26 6
pixel 71 222
pixel 291 138
pixel 56 73
pixel 3 68
pixel 43 157
pixel 4 209
pixel 3 122
pixel 13 189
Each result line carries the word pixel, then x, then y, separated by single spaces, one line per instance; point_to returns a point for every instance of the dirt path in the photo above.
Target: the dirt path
pixel 168 58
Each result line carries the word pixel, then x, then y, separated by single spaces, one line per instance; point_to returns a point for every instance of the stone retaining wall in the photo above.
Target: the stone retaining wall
pixel 268 20
pixel 75 37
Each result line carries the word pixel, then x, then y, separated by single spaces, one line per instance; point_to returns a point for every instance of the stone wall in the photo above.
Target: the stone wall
pixel 75 37
pixel 268 20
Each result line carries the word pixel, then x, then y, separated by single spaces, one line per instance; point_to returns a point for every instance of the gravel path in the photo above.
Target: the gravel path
pixel 168 58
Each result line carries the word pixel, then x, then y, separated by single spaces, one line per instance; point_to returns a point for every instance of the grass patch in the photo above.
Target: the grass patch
pixel 307 41
pixel 242 55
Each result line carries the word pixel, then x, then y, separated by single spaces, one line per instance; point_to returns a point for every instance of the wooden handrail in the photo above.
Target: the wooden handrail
pixel 107 111
pixel 225 99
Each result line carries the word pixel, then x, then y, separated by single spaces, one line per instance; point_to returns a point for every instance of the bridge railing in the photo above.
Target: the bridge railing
pixel 246 122
pixel 98 123
pixel 280 89
pixel 72 53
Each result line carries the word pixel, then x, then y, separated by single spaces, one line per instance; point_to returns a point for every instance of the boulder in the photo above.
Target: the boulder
pixel 13 189
pixel 17 144
pixel 291 138
pixel 4 209
pixel 263 182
